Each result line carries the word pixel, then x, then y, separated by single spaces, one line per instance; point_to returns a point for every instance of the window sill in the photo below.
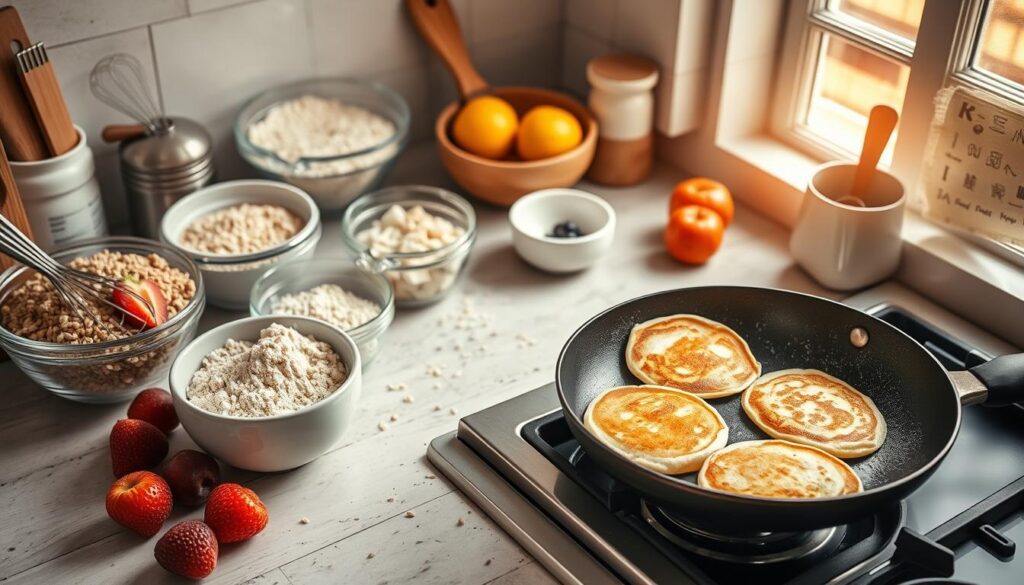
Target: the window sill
pixel 962 275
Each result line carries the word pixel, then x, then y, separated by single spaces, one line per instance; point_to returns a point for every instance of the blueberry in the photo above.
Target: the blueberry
pixel 566 229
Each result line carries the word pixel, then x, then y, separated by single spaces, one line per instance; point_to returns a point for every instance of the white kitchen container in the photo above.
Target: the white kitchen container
pixel 622 100
pixel 62 197
pixel 229 278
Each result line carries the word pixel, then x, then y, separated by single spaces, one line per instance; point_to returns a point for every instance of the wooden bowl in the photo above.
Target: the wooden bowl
pixel 501 182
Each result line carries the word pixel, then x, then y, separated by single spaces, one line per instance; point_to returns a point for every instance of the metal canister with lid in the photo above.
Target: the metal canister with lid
pixel 163 166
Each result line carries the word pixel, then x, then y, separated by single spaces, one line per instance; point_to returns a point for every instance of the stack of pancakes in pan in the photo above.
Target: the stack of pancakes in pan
pixel 815 420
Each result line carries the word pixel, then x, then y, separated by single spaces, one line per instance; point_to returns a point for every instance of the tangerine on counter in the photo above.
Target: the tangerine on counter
pixel 547 131
pixel 486 126
pixel 706 193
pixel 693 234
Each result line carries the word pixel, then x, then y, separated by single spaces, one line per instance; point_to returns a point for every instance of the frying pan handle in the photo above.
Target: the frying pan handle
pixel 437 23
pixel 1004 378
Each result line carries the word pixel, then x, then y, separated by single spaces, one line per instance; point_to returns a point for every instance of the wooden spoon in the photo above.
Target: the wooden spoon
pixel 881 123
pixel 437 23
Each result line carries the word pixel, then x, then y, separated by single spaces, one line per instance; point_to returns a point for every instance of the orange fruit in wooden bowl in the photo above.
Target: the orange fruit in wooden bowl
pixel 503 181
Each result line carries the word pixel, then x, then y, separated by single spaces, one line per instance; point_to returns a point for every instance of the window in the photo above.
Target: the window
pixel 852 55
pixel 841 57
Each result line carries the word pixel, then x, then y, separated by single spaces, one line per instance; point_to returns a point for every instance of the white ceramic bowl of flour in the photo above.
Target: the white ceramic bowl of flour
pixel 268 443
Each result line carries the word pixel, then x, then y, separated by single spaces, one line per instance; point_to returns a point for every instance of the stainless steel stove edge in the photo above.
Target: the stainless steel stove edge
pixel 558 552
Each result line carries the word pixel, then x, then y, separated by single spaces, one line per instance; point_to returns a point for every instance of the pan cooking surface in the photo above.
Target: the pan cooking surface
pixel 787 330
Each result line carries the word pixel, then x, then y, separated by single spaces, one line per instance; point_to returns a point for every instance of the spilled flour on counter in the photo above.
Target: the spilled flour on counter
pixel 282 372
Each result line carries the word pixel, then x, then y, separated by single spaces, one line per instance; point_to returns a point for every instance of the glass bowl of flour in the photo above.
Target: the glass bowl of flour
pixel 331 290
pixel 333 138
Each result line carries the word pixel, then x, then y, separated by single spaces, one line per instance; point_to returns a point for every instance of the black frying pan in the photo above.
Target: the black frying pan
pixel 919 400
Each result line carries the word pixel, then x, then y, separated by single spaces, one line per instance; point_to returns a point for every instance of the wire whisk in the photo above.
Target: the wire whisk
pixel 118 81
pixel 75 288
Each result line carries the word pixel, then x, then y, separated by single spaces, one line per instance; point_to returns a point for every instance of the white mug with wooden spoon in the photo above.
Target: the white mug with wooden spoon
pixel 847 235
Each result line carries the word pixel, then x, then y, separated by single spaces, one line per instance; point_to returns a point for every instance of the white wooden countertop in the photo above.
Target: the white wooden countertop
pixel 55 467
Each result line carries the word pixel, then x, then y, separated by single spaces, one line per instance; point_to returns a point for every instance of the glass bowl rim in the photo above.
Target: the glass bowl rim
pixel 367 328
pixel 453 200
pixel 401 122
pixel 154 337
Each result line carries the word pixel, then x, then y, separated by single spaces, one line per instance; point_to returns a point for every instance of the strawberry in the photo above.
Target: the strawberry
pixel 140 501
pixel 235 513
pixel 136 312
pixel 134 445
pixel 189 549
pixel 154 406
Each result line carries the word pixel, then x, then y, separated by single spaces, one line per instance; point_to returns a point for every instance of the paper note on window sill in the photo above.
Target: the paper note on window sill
pixel 973 176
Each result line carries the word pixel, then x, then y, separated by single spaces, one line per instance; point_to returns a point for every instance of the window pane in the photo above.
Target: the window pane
pixel 1001 47
pixel 900 17
pixel 848 82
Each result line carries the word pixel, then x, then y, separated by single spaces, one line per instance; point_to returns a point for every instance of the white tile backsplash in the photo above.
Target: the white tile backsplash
pixel 197 6
pixel 579 47
pixel 204 58
pixel 502 19
pixel 649 28
pixel 74 63
pixel 356 37
pixel 211 63
pixel 412 84
pixel 530 58
pixel 593 16
pixel 56 22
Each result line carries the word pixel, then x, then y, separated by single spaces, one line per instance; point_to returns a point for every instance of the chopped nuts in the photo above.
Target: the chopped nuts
pixel 460 522
pixel 410 514
pixel 303 520
pixel 382 426
pixel 408 399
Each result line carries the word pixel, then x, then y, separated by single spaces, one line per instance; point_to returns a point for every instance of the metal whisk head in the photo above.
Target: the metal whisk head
pixel 75 288
pixel 118 81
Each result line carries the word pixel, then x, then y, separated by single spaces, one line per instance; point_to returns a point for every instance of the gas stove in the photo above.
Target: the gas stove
pixel 520 463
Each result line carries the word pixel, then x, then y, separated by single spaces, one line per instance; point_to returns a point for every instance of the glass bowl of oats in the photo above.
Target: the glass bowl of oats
pixel 85 361
pixel 331 290
pixel 235 231
pixel 418 237
pixel 334 138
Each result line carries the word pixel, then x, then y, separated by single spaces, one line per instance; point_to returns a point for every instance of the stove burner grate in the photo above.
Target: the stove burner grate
pixel 759 548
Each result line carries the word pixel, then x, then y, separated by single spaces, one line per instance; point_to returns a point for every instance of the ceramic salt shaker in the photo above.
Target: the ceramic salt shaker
pixel 622 99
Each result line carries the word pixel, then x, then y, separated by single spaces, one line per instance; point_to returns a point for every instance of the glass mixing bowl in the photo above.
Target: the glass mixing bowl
pixel 302 275
pixel 109 371
pixel 417 278
pixel 332 181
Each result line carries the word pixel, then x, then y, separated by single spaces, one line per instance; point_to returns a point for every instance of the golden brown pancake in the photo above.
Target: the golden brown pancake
pixel 813 408
pixel 693 354
pixel 660 428
pixel 778 469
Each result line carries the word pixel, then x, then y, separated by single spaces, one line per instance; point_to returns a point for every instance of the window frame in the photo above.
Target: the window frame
pixel 944 53
pixel 807 24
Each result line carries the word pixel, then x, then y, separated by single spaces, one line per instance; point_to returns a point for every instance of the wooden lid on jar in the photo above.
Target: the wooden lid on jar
pixel 622 71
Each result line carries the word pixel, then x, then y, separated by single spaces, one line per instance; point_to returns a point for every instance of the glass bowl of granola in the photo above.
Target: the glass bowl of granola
pixel 418 237
pixel 85 361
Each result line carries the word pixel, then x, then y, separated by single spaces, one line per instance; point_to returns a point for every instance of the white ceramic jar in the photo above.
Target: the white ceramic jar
pixel 62 197
pixel 621 98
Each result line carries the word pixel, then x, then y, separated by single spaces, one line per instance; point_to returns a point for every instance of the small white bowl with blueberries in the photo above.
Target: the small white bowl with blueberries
pixel 562 230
